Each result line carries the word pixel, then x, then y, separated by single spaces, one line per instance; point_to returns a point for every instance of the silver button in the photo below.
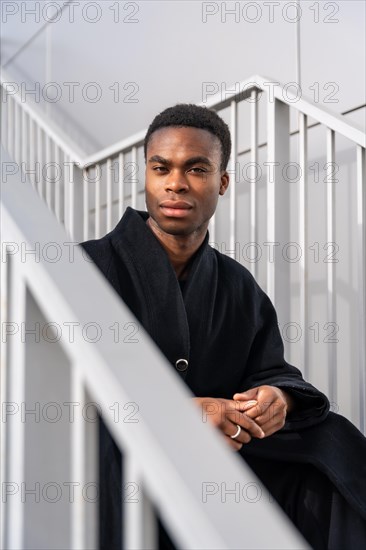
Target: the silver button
pixel 181 364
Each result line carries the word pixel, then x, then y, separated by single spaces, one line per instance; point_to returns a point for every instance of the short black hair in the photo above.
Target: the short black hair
pixel 185 115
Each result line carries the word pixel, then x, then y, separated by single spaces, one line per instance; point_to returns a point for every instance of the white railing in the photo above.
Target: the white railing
pixel 88 194
pixel 59 367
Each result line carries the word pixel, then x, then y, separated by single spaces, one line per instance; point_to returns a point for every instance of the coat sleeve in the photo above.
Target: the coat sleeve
pixel 266 366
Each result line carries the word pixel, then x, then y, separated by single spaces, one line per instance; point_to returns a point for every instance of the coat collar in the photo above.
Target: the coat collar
pixel 178 322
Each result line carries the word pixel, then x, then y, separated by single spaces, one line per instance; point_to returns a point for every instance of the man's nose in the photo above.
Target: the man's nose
pixel 176 182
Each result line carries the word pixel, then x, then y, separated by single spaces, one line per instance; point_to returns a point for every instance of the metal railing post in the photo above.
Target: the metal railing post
pixel 13 507
pixel 278 204
pixel 361 249
pixel 140 525
pixel 331 277
pixel 84 466
pixel 303 215
pixel 73 200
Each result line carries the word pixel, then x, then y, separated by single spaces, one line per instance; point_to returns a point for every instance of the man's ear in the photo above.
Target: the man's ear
pixel 224 183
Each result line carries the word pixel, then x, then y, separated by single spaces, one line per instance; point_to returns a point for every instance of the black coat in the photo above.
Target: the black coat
pixel 225 326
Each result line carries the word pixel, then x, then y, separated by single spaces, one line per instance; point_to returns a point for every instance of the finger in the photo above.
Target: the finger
pixel 274 425
pixel 246 395
pixel 242 437
pixel 230 414
pixel 277 409
pixel 235 445
pixel 246 405
pixel 267 404
pixel 273 428
pixel 232 410
pixel 252 412
pixel 246 423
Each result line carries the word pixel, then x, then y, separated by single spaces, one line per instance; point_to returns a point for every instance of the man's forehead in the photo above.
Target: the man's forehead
pixel 183 139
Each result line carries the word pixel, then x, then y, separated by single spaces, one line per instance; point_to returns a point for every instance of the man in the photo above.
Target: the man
pixel 219 331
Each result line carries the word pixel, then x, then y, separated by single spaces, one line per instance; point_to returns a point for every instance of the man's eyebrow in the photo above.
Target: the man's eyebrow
pixel 157 158
pixel 198 160
pixel 189 162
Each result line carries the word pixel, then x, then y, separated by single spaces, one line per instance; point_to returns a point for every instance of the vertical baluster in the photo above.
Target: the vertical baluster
pixel 253 173
pixel 4 273
pixel 303 210
pixel 40 160
pixel 134 177
pixel 58 175
pixel 17 134
pixel 24 144
pixel 84 520
pixel 11 123
pixel 331 297
pixel 68 176
pixel 48 172
pixel 233 158
pixel 6 127
pixel 32 156
pixel 73 199
pixel 212 229
pixel 85 204
pixel 77 460
pixel 139 519
pixel 62 185
pixel 361 250
pixel 15 449
pixel 97 201
pixel 109 194
pixel 3 117
pixel 121 187
pixel 278 205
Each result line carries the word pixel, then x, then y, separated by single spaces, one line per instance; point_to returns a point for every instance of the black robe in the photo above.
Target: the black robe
pixel 225 326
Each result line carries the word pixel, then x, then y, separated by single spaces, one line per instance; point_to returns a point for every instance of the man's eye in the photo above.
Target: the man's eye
pixel 159 168
pixel 198 170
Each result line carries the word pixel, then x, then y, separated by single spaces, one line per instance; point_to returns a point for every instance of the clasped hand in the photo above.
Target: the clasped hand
pixel 259 412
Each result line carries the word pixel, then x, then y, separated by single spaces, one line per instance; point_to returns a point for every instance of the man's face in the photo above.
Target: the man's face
pixel 183 179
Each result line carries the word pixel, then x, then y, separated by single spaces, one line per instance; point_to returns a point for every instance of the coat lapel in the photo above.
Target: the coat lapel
pixel 177 323
pixel 200 297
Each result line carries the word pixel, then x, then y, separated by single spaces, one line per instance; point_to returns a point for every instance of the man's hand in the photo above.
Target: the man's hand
pixel 271 407
pixel 227 415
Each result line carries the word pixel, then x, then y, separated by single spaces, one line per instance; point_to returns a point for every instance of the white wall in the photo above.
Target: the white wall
pixel 169 52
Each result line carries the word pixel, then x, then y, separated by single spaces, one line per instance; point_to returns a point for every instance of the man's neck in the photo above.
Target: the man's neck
pixel 180 248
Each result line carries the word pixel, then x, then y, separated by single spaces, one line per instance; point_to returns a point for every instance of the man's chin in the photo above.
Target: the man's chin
pixel 172 226
pixel 176 227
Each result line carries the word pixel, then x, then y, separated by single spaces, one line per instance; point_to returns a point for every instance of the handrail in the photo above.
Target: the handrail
pixel 306 106
pixel 256 82
pixel 69 147
pixel 104 368
pixel 132 141
pixel 321 114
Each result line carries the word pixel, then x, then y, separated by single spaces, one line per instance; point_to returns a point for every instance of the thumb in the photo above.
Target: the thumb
pixel 248 395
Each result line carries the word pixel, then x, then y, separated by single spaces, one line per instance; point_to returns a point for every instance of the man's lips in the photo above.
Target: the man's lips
pixel 175 209
pixel 175 204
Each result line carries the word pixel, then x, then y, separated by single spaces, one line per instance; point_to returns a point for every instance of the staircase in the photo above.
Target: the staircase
pixel 265 221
